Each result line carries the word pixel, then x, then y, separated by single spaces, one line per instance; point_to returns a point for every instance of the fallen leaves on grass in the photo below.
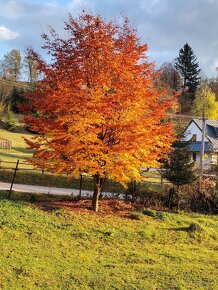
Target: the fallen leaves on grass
pixel 107 207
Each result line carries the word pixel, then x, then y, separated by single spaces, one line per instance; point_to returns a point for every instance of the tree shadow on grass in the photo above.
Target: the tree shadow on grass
pixel 48 206
pixel 11 155
pixel 46 202
pixel 23 150
pixel 193 227
pixel 180 229
pixel 52 203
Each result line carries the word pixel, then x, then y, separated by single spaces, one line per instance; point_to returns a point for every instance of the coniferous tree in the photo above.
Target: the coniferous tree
pixel 17 99
pixel 187 65
pixel 178 168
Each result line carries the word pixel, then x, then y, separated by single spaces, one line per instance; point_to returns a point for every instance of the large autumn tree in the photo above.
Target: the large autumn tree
pixel 96 109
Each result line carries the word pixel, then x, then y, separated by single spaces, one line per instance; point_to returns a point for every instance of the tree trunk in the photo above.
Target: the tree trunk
pixel 177 198
pixel 98 183
pixel 170 197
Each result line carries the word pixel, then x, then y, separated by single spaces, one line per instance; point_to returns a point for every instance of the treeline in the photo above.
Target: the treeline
pixel 17 67
pixel 17 74
pixel 196 94
pixel 183 76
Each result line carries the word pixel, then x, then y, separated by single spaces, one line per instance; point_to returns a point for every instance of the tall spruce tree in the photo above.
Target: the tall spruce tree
pixel 187 65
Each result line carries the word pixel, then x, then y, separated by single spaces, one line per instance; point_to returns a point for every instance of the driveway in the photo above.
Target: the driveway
pixel 50 190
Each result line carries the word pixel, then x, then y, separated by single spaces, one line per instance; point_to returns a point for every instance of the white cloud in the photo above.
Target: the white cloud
pixel 7 34
pixel 165 25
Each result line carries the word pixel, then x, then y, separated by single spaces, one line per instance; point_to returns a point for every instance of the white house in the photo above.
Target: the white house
pixel 193 132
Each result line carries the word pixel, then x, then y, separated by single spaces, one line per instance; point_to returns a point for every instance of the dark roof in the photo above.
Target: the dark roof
pixel 195 146
pixel 213 123
pixel 211 131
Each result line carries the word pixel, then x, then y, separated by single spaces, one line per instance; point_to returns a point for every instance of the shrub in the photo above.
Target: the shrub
pixel 10 122
pixel 136 216
pixel 2 109
pixel 153 213
pixel 148 194
pixel 194 227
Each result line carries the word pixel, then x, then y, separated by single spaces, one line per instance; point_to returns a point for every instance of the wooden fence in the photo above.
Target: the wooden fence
pixel 5 144
pixel 151 177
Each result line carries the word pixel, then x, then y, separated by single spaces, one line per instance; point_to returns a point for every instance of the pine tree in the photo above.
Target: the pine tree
pixel 187 65
pixel 178 168
pixel 17 99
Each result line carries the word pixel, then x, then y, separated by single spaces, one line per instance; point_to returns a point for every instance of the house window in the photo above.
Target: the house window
pixel 214 159
pixel 194 155
pixel 194 137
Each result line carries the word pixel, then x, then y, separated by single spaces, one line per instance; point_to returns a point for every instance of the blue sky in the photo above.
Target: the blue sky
pixel 165 25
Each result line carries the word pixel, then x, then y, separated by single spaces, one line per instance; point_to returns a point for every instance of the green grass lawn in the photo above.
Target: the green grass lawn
pixel 62 249
pixel 19 150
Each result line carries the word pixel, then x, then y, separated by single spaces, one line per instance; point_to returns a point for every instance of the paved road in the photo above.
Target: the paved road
pixel 49 190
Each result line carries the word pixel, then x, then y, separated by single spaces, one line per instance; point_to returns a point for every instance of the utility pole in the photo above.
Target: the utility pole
pixel 201 166
pixel 216 176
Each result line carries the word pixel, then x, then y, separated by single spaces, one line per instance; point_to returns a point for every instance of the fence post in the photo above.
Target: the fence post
pixel 161 181
pixel 12 182
pixel 80 186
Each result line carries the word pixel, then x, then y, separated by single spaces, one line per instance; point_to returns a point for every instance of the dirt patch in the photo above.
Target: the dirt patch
pixel 106 207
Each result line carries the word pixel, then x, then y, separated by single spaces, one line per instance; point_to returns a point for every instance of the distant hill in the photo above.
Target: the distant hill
pixel 20 84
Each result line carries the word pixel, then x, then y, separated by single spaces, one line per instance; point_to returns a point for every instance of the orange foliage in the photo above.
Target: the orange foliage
pixel 96 108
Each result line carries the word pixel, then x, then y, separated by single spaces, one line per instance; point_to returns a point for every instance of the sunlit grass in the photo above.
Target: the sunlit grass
pixel 84 250
pixel 18 150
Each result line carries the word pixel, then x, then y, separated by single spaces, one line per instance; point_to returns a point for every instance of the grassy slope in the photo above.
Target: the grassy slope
pixel 18 150
pixel 83 250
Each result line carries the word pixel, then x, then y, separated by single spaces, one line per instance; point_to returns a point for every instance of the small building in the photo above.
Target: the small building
pixel 193 132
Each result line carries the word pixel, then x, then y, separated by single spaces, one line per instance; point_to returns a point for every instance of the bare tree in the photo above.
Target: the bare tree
pixel 30 65
pixel 169 77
